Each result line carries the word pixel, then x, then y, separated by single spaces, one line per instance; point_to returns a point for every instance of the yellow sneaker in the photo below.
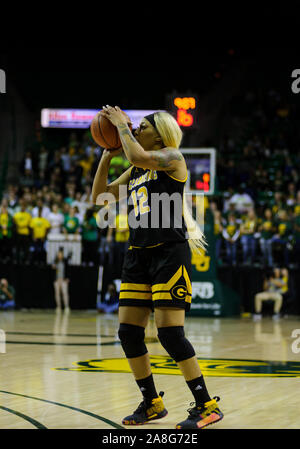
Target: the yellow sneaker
pixel 146 412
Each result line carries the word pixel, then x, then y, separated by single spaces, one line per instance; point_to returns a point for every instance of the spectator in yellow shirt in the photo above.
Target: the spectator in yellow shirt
pixel 6 231
pixel 121 238
pixel 40 227
pixel 22 220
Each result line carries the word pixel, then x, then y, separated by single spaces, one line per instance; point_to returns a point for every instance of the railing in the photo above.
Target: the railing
pixel 70 243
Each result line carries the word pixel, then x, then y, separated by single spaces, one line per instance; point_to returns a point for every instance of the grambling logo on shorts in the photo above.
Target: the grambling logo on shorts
pixel 179 291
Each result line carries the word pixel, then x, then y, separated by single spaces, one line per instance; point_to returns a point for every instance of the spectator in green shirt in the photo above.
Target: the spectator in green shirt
pixel 71 224
pixel 267 230
pixel 90 238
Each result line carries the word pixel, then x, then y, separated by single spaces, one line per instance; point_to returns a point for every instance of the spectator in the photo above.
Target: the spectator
pixel 243 202
pixel 43 160
pixel 90 240
pixel 11 197
pixel 40 227
pixel 22 220
pixel 66 160
pixel 248 241
pixel 231 233
pixel 78 213
pixel 283 234
pixel 275 285
pixel 297 240
pixel 56 220
pixel 111 300
pixel 120 238
pixel 291 194
pixel 86 196
pixel 27 166
pixel 277 203
pixel 6 230
pixel 7 295
pixel 61 283
pixel 71 223
pixel 44 208
pixel 70 198
pixel 218 229
pixel 86 164
pixel 267 229
pixel 297 205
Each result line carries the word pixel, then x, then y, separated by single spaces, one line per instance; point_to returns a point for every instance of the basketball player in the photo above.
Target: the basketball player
pixel 157 267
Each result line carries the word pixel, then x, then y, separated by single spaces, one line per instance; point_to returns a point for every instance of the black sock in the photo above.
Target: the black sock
pixel 199 390
pixel 147 388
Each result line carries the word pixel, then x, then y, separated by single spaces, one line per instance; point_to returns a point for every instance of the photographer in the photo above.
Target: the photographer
pixel 7 295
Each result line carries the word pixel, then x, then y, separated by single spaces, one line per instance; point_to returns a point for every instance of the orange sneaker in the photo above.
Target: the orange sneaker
pixel 200 417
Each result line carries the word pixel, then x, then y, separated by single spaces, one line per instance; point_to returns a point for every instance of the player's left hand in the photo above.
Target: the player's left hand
pixel 115 115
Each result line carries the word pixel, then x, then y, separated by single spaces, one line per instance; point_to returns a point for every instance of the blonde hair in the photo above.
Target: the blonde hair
pixel 171 135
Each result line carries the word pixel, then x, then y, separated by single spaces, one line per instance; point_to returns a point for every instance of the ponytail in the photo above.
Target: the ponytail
pixel 196 238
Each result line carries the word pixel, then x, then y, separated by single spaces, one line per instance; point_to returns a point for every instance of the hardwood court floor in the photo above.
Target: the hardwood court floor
pixel 69 371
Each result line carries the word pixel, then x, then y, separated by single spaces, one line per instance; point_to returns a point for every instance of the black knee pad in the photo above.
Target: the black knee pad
pixel 175 343
pixel 132 340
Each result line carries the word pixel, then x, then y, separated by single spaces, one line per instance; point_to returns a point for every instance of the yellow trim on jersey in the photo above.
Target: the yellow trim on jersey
pixel 168 285
pixel 176 179
pixel 139 287
pixel 135 295
pixel 187 280
pixel 161 295
pixel 167 295
pixel 162 291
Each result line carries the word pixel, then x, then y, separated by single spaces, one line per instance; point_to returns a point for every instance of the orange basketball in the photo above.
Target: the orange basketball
pixel 105 133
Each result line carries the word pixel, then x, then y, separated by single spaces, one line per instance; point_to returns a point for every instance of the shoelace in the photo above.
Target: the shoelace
pixel 143 406
pixel 195 411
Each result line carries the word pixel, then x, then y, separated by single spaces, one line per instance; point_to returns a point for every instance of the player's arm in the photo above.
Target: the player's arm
pixel 100 181
pixel 167 159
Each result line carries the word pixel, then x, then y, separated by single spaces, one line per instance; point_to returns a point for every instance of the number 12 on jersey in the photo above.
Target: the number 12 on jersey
pixel 140 201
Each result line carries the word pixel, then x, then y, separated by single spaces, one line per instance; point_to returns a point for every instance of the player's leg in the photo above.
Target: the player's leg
pixel 277 297
pixel 170 325
pixel 65 293
pixel 258 300
pixel 133 321
pixel 57 294
pixel 172 295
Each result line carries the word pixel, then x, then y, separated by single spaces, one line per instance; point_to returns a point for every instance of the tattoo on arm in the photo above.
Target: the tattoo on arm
pixel 125 131
pixel 164 158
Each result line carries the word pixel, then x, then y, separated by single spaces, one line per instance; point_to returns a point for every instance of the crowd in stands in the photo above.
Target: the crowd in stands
pixel 53 197
pixel 256 205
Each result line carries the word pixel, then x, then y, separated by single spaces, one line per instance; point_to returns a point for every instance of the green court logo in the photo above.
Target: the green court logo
pixel 209 367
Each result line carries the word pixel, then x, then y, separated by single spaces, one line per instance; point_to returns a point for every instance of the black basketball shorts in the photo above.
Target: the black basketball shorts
pixel 157 277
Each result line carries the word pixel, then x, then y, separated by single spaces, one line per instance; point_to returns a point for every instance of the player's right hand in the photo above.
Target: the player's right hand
pixel 109 154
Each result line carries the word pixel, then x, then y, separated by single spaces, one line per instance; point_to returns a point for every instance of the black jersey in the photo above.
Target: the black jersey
pixel 155 208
